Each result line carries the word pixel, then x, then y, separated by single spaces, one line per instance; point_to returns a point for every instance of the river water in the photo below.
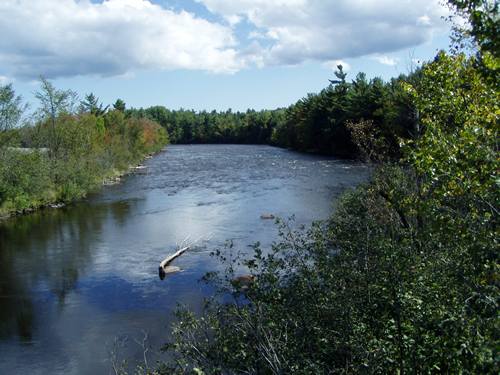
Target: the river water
pixel 79 285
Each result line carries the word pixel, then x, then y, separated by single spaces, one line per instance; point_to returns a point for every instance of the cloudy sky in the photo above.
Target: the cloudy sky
pixel 211 54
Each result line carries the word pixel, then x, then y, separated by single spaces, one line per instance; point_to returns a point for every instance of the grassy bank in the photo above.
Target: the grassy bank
pixel 63 161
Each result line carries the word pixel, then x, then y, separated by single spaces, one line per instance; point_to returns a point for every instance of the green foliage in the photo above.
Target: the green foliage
pixel 404 277
pixel 340 74
pixel 483 23
pixel 119 105
pixel 458 151
pixel 185 126
pixel 65 155
pixel 323 122
pixel 25 181
pixel 377 289
pixel 11 110
pixel 53 103
pixel 91 105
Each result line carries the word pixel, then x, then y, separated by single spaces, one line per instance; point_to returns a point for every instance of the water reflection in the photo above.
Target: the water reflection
pixel 43 255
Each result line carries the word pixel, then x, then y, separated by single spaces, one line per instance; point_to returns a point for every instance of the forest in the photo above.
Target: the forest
pixel 402 278
pixel 65 150
pixel 320 123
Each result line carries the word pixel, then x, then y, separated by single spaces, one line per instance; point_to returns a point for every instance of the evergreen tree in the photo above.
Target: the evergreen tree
pixel 91 105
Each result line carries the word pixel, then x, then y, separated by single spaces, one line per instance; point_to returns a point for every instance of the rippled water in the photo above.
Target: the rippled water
pixel 79 283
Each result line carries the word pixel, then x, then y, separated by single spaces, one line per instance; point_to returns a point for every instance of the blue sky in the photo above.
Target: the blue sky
pixel 211 54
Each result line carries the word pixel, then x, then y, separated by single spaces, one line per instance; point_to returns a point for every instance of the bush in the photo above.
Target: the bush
pixel 25 181
pixel 375 289
pixel 71 156
pixel 402 279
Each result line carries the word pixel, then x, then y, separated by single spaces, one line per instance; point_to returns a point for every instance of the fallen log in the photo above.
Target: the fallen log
pixel 165 267
pixel 171 269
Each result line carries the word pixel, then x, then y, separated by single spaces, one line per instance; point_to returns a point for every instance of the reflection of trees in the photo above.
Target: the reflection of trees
pixel 120 210
pixel 46 251
pixel 16 308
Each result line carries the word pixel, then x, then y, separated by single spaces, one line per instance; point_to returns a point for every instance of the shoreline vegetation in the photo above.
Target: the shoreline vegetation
pixel 112 178
pixel 65 152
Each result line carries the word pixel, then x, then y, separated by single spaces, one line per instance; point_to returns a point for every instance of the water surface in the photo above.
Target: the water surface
pixel 79 283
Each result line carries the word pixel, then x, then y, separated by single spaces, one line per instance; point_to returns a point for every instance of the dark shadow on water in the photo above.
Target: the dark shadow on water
pixel 42 255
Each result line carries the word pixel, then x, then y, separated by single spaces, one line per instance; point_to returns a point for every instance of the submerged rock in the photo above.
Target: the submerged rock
pixel 243 282
pixel 267 216
pixel 112 181
pixel 57 205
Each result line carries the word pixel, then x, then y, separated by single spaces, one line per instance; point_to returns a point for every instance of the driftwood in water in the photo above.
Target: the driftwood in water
pixel 171 257
pixel 169 269
pixel 165 267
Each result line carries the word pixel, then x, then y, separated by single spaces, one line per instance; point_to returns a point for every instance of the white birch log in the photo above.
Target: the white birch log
pixel 165 267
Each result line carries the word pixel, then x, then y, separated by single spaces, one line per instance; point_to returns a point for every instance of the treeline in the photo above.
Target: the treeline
pixel 343 117
pixel 404 277
pixel 340 120
pixel 359 119
pixel 66 150
pixel 188 126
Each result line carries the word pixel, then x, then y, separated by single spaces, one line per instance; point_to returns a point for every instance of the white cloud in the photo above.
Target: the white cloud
pixel 76 37
pixel 4 80
pixel 386 60
pixel 257 35
pixel 58 38
pixel 424 20
pixel 233 19
pixel 325 30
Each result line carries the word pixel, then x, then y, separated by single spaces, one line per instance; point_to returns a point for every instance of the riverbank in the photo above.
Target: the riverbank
pixel 86 153
pixel 113 178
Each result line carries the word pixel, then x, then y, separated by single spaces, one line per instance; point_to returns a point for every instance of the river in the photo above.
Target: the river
pixel 80 284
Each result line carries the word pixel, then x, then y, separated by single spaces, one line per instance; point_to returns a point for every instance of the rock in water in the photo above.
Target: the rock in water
pixel 242 283
pixel 267 216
